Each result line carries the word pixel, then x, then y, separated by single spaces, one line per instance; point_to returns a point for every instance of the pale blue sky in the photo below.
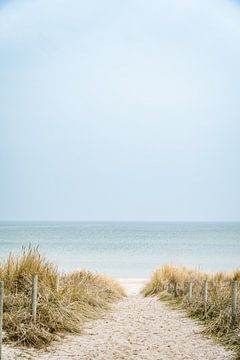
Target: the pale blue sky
pixel 120 110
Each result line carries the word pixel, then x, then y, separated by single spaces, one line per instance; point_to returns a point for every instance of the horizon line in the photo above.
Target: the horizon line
pixel 120 221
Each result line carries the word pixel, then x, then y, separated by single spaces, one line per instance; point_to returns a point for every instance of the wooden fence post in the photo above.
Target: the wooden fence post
pixel 1 315
pixel 234 302
pixel 205 289
pixel 34 296
pixel 190 286
pixel 169 288
pixel 57 283
pixel 175 289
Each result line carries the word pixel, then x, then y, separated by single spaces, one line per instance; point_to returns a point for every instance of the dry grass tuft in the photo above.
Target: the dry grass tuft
pixel 171 283
pixel 81 295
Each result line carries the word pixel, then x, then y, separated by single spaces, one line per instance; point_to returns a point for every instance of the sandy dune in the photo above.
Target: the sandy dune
pixel 139 329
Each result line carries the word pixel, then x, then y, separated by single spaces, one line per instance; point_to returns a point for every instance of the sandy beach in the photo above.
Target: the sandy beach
pixel 132 286
pixel 137 329
pixel 119 186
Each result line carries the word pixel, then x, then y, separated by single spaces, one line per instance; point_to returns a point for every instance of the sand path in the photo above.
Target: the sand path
pixel 140 328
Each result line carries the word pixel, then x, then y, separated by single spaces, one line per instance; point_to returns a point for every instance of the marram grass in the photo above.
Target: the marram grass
pixel 82 295
pixel 172 282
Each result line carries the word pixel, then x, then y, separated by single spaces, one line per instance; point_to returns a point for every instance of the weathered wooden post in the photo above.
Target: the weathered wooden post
pixel 190 286
pixel 175 289
pixel 234 302
pixel 57 283
pixel 34 296
pixel 205 294
pixel 1 315
pixel 170 287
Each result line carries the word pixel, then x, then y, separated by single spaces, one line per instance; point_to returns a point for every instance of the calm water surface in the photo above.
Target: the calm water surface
pixel 127 249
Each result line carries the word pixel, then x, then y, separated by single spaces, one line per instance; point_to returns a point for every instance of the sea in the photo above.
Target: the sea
pixel 127 249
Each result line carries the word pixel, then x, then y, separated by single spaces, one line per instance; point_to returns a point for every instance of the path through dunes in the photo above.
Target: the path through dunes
pixel 139 329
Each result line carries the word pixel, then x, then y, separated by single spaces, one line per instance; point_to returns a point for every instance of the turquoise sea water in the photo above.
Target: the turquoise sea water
pixel 127 249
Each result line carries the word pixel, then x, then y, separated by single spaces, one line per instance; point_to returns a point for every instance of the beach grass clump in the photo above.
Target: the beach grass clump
pixel 80 296
pixel 172 283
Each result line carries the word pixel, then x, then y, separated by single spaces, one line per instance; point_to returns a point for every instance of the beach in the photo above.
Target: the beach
pixel 119 186
pixel 137 328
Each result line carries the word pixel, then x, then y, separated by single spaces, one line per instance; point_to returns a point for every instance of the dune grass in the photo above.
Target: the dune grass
pixel 81 295
pixel 171 283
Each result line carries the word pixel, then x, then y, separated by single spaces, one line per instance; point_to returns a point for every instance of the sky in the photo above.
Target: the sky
pixel 120 110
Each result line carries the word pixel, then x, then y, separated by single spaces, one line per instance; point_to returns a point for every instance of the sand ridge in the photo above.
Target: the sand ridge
pixel 139 329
